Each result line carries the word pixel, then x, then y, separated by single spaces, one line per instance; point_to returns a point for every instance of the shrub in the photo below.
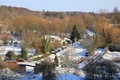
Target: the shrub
pixel 20 60
pixel 45 45
pixel 104 69
pixel 10 55
pixel 24 53
pixel 47 69
pixel 114 47
pixel 2 65
pixel 38 51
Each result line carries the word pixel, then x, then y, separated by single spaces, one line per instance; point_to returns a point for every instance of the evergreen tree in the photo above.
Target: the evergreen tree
pixel 75 35
pixel 45 45
pixel 24 53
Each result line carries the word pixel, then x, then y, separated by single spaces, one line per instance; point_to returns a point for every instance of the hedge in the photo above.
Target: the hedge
pixel 114 47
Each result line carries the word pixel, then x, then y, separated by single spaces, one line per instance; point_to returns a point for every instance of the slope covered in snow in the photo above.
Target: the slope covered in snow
pixel 90 32
pixel 111 55
pixel 68 77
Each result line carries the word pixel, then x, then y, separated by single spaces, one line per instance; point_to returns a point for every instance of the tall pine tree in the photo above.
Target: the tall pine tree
pixel 75 35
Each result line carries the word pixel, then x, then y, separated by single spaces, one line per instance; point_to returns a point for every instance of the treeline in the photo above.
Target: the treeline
pixel 10 13
pixel 52 25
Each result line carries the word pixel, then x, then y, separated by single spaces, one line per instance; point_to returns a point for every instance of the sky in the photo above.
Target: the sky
pixel 64 5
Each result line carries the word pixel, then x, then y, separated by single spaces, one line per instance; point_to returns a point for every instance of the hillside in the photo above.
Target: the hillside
pixel 8 12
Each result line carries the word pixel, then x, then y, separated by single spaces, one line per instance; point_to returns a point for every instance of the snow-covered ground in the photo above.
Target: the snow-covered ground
pixel 99 50
pixel 111 55
pixel 15 49
pixel 68 77
pixel 72 50
pixel 90 33
pixel 27 63
pixel 76 51
pixel 7 73
pixel 29 75
pixel 5 49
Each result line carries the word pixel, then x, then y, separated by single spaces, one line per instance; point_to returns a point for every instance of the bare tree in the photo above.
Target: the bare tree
pixel 90 44
pixel 66 62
